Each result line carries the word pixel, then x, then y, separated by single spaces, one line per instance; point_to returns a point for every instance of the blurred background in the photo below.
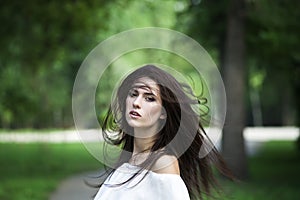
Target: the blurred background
pixel 255 44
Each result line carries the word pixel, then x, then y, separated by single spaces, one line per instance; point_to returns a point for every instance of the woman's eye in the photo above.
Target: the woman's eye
pixel 132 94
pixel 150 99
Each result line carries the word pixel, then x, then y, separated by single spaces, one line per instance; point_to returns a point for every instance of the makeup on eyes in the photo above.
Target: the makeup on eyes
pixel 149 96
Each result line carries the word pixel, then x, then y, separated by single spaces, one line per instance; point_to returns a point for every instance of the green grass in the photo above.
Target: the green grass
pixel 32 171
pixel 274 174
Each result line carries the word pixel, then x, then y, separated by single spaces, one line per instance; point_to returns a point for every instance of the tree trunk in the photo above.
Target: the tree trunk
pixel 288 109
pixel 256 107
pixel 233 147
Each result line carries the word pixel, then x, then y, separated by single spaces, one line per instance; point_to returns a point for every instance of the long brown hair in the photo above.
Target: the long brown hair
pixel 182 135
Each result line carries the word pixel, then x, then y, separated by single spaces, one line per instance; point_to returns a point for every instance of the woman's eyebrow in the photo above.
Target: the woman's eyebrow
pixel 146 88
pixel 149 90
pixel 149 93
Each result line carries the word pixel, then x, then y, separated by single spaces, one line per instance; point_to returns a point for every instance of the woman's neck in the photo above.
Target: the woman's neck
pixel 142 145
pixel 144 139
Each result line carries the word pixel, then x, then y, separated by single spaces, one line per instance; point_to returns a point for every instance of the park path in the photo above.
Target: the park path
pixel 75 188
pixel 253 134
pixel 59 136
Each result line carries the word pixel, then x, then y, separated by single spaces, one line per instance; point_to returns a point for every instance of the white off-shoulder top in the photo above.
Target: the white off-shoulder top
pixel 154 186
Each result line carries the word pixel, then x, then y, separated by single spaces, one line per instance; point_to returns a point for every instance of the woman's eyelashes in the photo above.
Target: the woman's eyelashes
pixel 133 93
pixel 150 97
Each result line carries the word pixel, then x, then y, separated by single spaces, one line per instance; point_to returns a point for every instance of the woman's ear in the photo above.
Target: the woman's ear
pixel 163 116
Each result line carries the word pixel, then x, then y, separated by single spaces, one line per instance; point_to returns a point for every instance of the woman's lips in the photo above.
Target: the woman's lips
pixel 134 114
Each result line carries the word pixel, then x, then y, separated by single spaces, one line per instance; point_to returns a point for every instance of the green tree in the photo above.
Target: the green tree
pixel 45 42
pixel 273 43
pixel 219 27
pixel 271 37
pixel 234 68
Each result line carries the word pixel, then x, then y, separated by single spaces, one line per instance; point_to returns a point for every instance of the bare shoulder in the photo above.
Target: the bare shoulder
pixel 166 164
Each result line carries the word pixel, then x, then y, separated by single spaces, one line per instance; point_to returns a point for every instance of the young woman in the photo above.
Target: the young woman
pixel 160 132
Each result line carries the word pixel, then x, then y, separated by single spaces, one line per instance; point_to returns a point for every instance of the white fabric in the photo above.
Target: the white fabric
pixel 153 186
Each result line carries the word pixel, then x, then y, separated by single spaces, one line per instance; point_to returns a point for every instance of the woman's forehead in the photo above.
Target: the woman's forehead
pixel 146 83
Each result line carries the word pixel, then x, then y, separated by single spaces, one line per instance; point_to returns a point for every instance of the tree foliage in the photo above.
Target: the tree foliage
pixel 44 43
pixel 271 41
pixel 272 49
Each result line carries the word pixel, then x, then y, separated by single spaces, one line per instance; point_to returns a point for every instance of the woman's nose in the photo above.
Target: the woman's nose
pixel 137 102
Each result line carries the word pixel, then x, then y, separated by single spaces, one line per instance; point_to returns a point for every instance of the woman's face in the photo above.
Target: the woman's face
pixel 144 105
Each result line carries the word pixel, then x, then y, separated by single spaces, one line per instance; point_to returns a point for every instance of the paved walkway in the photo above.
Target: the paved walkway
pixel 62 136
pixel 74 188
pixel 256 134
